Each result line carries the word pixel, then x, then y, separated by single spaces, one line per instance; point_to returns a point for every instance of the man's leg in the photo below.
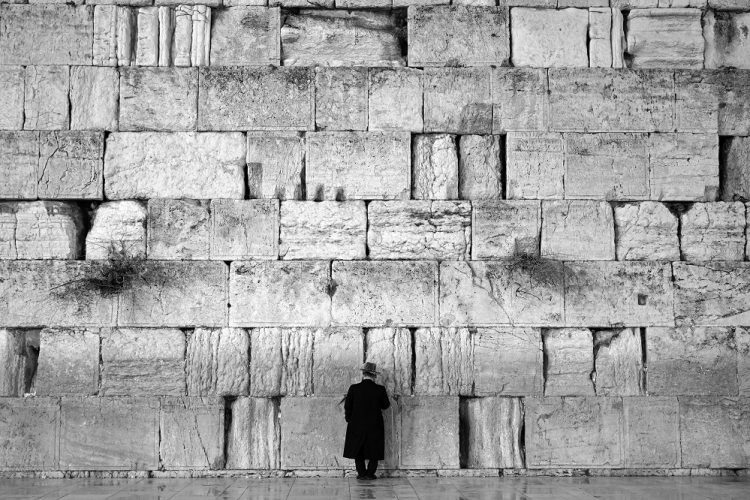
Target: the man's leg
pixel 359 462
pixel 372 466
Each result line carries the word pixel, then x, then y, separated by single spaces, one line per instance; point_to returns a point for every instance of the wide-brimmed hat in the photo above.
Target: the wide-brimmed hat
pixel 370 368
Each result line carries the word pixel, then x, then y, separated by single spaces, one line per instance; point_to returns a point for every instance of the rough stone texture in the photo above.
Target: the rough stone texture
pixel 646 231
pixel 30 428
pixel 570 362
pixel 726 35
pixel 480 167
pixel 254 437
pixel 457 100
pixel 429 432
pixel 535 165
pixel 605 294
pixel 395 99
pixel 549 38
pixel 245 36
pixel 118 230
pixel 684 167
pixel 312 431
pixel 714 293
pixel 434 167
pixel 362 38
pixel 46 105
pixel 492 433
pixel 341 98
pixel 618 363
pixel 358 165
pixel 391 350
pixel 275 164
pixel 508 361
pixel 443 362
pixel 217 362
pixel 670 38
pixel 715 431
pixel 114 30
pixel 505 229
pixel 281 362
pixel 40 230
pixel 735 176
pixel 147 37
pixel 577 230
pixel 700 361
pixel 731 88
pixel 244 229
pixel 13 362
pixel 68 362
pixel 697 96
pixel 158 99
pixel 336 355
pixel 279 293
pixel 140 362
pixel 439 230
pixel 323 230
pixel 174 165
pixel 742 343
pixel 178 229
pixel 519 99
pixel 600 37
pixel 11 97
pixel 93 98
pixel 19 156
pixel 657 443
pixel 713 231
pixel 465 35
pixel 384 293
pixel 500 293
pixel 70 165
pixel 191 433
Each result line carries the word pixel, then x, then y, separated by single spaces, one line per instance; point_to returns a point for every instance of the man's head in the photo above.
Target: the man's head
pixel 370 371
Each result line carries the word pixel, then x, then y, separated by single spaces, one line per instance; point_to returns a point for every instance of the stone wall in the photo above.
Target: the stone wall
pixel 531 214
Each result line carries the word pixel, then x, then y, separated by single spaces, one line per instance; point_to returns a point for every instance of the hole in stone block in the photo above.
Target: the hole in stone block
pixel 464 428
pixel 31 346
pixel 642 299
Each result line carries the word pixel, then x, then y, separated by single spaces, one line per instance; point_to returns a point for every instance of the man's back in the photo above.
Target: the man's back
pixel 365 401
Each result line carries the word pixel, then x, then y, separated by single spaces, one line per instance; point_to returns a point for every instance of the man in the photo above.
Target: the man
pixel 365 435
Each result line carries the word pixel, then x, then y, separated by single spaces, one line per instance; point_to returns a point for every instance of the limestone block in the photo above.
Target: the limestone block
pixel 93 98
pixel 492 430
pixel 336 355
pixel 200 45
pixel 570 362
pixel 113 36
pixel 281 361
pixel 500 293
pixel 505 229
pixel 384 293
pixel 166 34
pixel 30 430
pixel 362 38
pixel 697 101
pixel 68 362
pixel 244 229
pixel 604 294
pixel 549 38
pixel 191 433
pixel 646 231
pixel 358 165
pixel 606 166
pixel 312 432
pixel 618 363
pixel 429 432
pixel 40 230
pixel 657 443
pixel 217 362
pixel 182 42
pixel 46 34
pixel 607 100
pixel 254 438
pixel 715 431
pixel 535 165
pixel 465 35
pixel 391 350
pixel 143 362
pixel 480 167
pixel 658 38
pixel 712 293
pixel 245 36
pixel 341 98
pixel 178 229
pixel 742 341
pixel 435 167
pixel 735 176
pixel 457 100
pixel 158 99
pixel 264 98
pixel 19 156
pixel 600 37
pixel 700 361
pixel 70 165
pixel 275 164
pixel 573 432
pixel 443 362
pixel 519 99
pixel 734 109
pixel 174 165
pixel 323 230
pixel 14 360
pixel 46 104
pixel 11 97
pixel 713 231
pixel 684 167
pixel 439 230
pixel 279 293
pixel 109 433
pixel 508 362
pixel 577 230
pixel 395 99
pixel 726 35
pixel 727 4
pixel 118 231
pixel 147 37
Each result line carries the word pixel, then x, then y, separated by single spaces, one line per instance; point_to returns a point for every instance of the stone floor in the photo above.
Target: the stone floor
pixel 403 488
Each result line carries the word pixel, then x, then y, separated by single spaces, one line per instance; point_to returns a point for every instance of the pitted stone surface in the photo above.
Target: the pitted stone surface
pixel 244 229
pixel 323 230
pixel 508 362
pixel 217 362
pixel 429 432
pixel 457 100
pixel 337 353
pixel 391 350
pixel 46 104
pixel 281 361
pixel 505 229
pixel 713 231
pixel 312 430
pixel 443 362
pixel 40 230
pixel 275 163
pixel 658 38
pixel 618 363
pixel 726 35
pixel 178 229
pixel 577 230
pixel 253 441
pixel 191 433
pixel 480 167
pixel 245 36
pixel 715 431
pixel 493 428
pixel 30 428
pixel 434 167
pixel 158 99
pixel 68 362
pixel 570 362
pixel 735 176
pixel 545 38
pixel 94 93
pixel 395 99
pixel 684 167
pixel 646 231
pixel 341 98
pixel 711 294
pixel 11 97
pixel 19 157
pixel 70 165
pixel 658 443
pixel 535 165
pixel 519 99
pixel 118 231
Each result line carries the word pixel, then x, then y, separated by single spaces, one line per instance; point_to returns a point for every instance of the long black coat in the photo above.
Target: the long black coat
pixel 365 434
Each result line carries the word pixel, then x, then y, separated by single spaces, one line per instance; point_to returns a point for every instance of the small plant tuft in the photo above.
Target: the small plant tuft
pixel 547 272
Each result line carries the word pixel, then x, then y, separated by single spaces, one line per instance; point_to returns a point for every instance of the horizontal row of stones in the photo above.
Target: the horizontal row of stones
pixel 373 293
pixel 273 362
pixel 197 35
pixel 439 432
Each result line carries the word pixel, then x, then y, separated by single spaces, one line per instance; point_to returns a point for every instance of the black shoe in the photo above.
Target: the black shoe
pixel 364 478
pixel 371 476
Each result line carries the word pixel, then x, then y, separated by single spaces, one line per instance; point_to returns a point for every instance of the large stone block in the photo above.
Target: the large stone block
pixel 508 362
pixel 312 433
pixel 577 230
pixel 358 165
pixel 68 362
pixel 605 32
pixel 535 165
pixel 491 433
pixel 549 38
pixel 384 293
pixel 175 165
pixel 94 94
pixel 31 429
pixel 14 360
pixel 519 99
pixel 46 104
pixel 341 98
pixel 158 99
pixel 70 165
pixel 19 158
pixel 391 350
pixel 439 230
pixel 651 432
pixel 429 432
pixel 11 97
pixel 217 362
pixel 730 88
pixel 659 38
pixel 480 167
pixel 434 167
pixel 178 229
pixel 275 162
pixel 191 433
pixel 714 293
pixel 395 99
pixel 713 231
pixel 254 438
pixel 735 176
pixel 684 167
pixel 281 361
pixel 323 230
pixel 279 293
pixel 726 35
pixel 40 230
pixel 715 432
pixel 458 100
pixel 244 229
pixel 697 101
pixel 245 36
pixel 646 231
pixel 569 354
pixel 147 37
pixel 443 362
pixel 505 229
pixel 118 231
pixel 619 363
pixel 336 355
pixel 115 29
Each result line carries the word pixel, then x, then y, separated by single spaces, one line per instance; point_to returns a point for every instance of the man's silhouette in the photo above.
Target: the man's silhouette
pixel 365 434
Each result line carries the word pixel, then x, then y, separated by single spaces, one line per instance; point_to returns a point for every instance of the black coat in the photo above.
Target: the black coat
pixel 365 434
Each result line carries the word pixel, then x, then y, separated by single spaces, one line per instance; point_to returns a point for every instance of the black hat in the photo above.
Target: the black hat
pixel 371 368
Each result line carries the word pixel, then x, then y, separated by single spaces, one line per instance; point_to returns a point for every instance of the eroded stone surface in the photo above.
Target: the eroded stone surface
pixel 457 100
pixel 535 165
pixel 191 433
pixel 600 36
pixel 147 37
pixel 274 163
pixel 508 361
pixel 68 362
pixel 118 231
pixel 577 230
pixel 341 98
pixel 336 355
pixel 697 96
pixel 323 230
pixel 434 167
pixel 178 229
pixel 684 167
pixel 94 94
pixel 549 38
pixel 312 432
pixel 395 99
pixel 726 35
pixel 70 165
pixel 30 428
pixel 217 362
pixel 656 444
pixel 281 361
pixel 13 362
pixel 658 38
pixel 480 167
pixel 742 341
pixel 646 231
pixel 391 350
pixel 735 176
pixel 158 99
pixel 618 363
pixel 40 230
pixel 443 362
pixel 505 229
pixel 570 362
pixel 429 432
pixel 519 99
pixel 713 231
pixel 714 293
pixel 715 431
pixel 245 36
pixel 46 105
pixel 492 430
pixel 19 156
pixel 254 436
pixel 244 229
pixel 11 97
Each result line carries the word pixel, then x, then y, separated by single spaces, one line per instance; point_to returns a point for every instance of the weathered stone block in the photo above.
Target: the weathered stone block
pixel 651 432
pixel 491 435
pixel 217 362
pixel 245 36
pixel 604 294
pixel 395 99
pixel 684 167
pixel 13 362
pixel 68 362
pixel 742 341
pixel 140 362
pixel 505 229
pixel 19 157
pixel 40 230
pixel 731 88
pixel 46 105
pixel 384 293
pixel 341 98
pixel 577 230
pixel 275 164
pixel 147 37
pixel 158 99
pixel 11 97
pixel 457 100
pixel 323 230
pixel 312 432
pixel 279 293
pixel 570 362
pixel 600 36
pixel 70 165
pixel 726 36
pixel 549 38
pixel 646 231
pixel 178 229
pixel 659 38
pixel 715 431
pixel 618 363
pixel 281 361
pixel 118 231
pixel 429 432
pixel 358 165
pixel 439 230
pixel 480 167
pixel 713 231
pixel 508 361
pixel 714 293
pixel 469 36
pixel 697 101
pixel 30 428
pixel 735 176
pixel 94 94
pixel 113 35
pixel 244 229
pixel 336 355
pixel 443 362
pixel 391 350
pixel 435 167
pixel 519 99
pixel 191 433
pixel 174 165
pixel 109 433
pixel 535 165
pixel 254 438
